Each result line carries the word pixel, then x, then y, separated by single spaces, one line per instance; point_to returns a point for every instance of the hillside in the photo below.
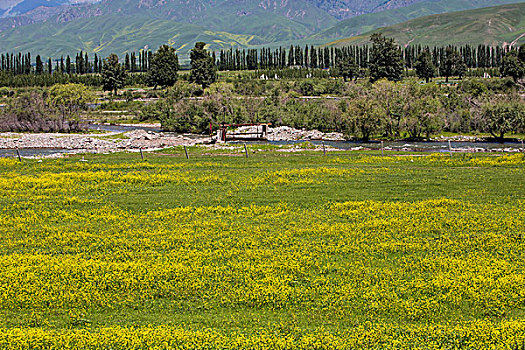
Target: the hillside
pixel 129 25
pixel 497 25
pixel 10 8
pixel 368 22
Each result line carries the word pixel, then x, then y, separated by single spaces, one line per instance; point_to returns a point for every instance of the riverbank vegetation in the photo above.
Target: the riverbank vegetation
pixel 377 92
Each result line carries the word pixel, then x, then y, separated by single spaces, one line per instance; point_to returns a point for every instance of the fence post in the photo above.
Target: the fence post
pixel 522 148
pixel 186 151
pixel 18 154
pixel 449 148
pixel 382 153
pixel 245 151
pixel 324 149
pixel 141 154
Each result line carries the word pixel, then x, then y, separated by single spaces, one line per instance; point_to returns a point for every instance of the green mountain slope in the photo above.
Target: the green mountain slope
pixel 117 34
pixel 497 25
pixel 129 25
pixel 365 23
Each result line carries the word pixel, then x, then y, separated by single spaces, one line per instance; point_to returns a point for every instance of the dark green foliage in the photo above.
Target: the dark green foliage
pixel 31 112
pixel 39 67
pixel 503 114
pixel 452 64
pixel 113 74
pixel 203 70
pixel 385 59
pixel 346 67
pixel 425 69
pixel 512 66
pixel 164 67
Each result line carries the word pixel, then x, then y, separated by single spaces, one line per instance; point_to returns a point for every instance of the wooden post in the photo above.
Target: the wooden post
pixel 522 148
pixel 382 152
pixel 186 151
pixel 324 149
pixel 449 148
pixel 18 154
pixel 141 154
pixel 245 150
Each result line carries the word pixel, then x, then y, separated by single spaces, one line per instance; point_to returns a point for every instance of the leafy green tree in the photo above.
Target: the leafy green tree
pixel 39 66
pixel 385 59
pixel 346 67
pixel 421 111
pixel 503 115
pixel 365 116
pixel 69 100
pixel 391 97
pixel 521 53
pixel 127 64
pixel 453 64
pixel 113 74
pixel 68 65
pixel 203 70
pixel 425 69
pixel 512 66
pixel 164 67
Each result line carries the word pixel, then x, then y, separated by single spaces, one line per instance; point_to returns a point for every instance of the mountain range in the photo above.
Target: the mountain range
pixel 59 27
pixel 499 25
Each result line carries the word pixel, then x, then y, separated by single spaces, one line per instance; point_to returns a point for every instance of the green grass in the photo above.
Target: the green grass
pixel 119 136
pixel 490 26
pixel 335 242
pixel 365 23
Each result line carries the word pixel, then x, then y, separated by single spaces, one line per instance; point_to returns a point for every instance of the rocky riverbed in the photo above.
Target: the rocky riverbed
pixel 286 133
pixel 120 139
pixel 137 139
pixel 107 142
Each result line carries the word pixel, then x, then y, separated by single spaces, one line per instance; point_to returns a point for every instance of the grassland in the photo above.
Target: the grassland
pixel 279 250
pixel 490 26
pixel 361 24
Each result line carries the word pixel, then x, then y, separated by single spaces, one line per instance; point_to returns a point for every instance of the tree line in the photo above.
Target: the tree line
pixel 383 59
pixel 20 63
pixel 384 109
pixel 482 56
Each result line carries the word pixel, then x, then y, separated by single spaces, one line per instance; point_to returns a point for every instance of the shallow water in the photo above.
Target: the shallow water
pixel 33 152
pixel 431 146
pixel 121 128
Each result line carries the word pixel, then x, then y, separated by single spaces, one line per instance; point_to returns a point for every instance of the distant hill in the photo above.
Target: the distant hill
pixel 365 23
pixel 122 26
pixel 12 8
pixel 499 25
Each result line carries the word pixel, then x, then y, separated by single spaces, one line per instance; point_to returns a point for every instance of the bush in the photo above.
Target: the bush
pixel 30 112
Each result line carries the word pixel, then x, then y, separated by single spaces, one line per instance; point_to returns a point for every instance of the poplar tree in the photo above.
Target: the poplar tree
pixel 425 69
pixel 113 74
pixel 39 65
pixel 202 68
pixel 164 67
pixel 385 59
